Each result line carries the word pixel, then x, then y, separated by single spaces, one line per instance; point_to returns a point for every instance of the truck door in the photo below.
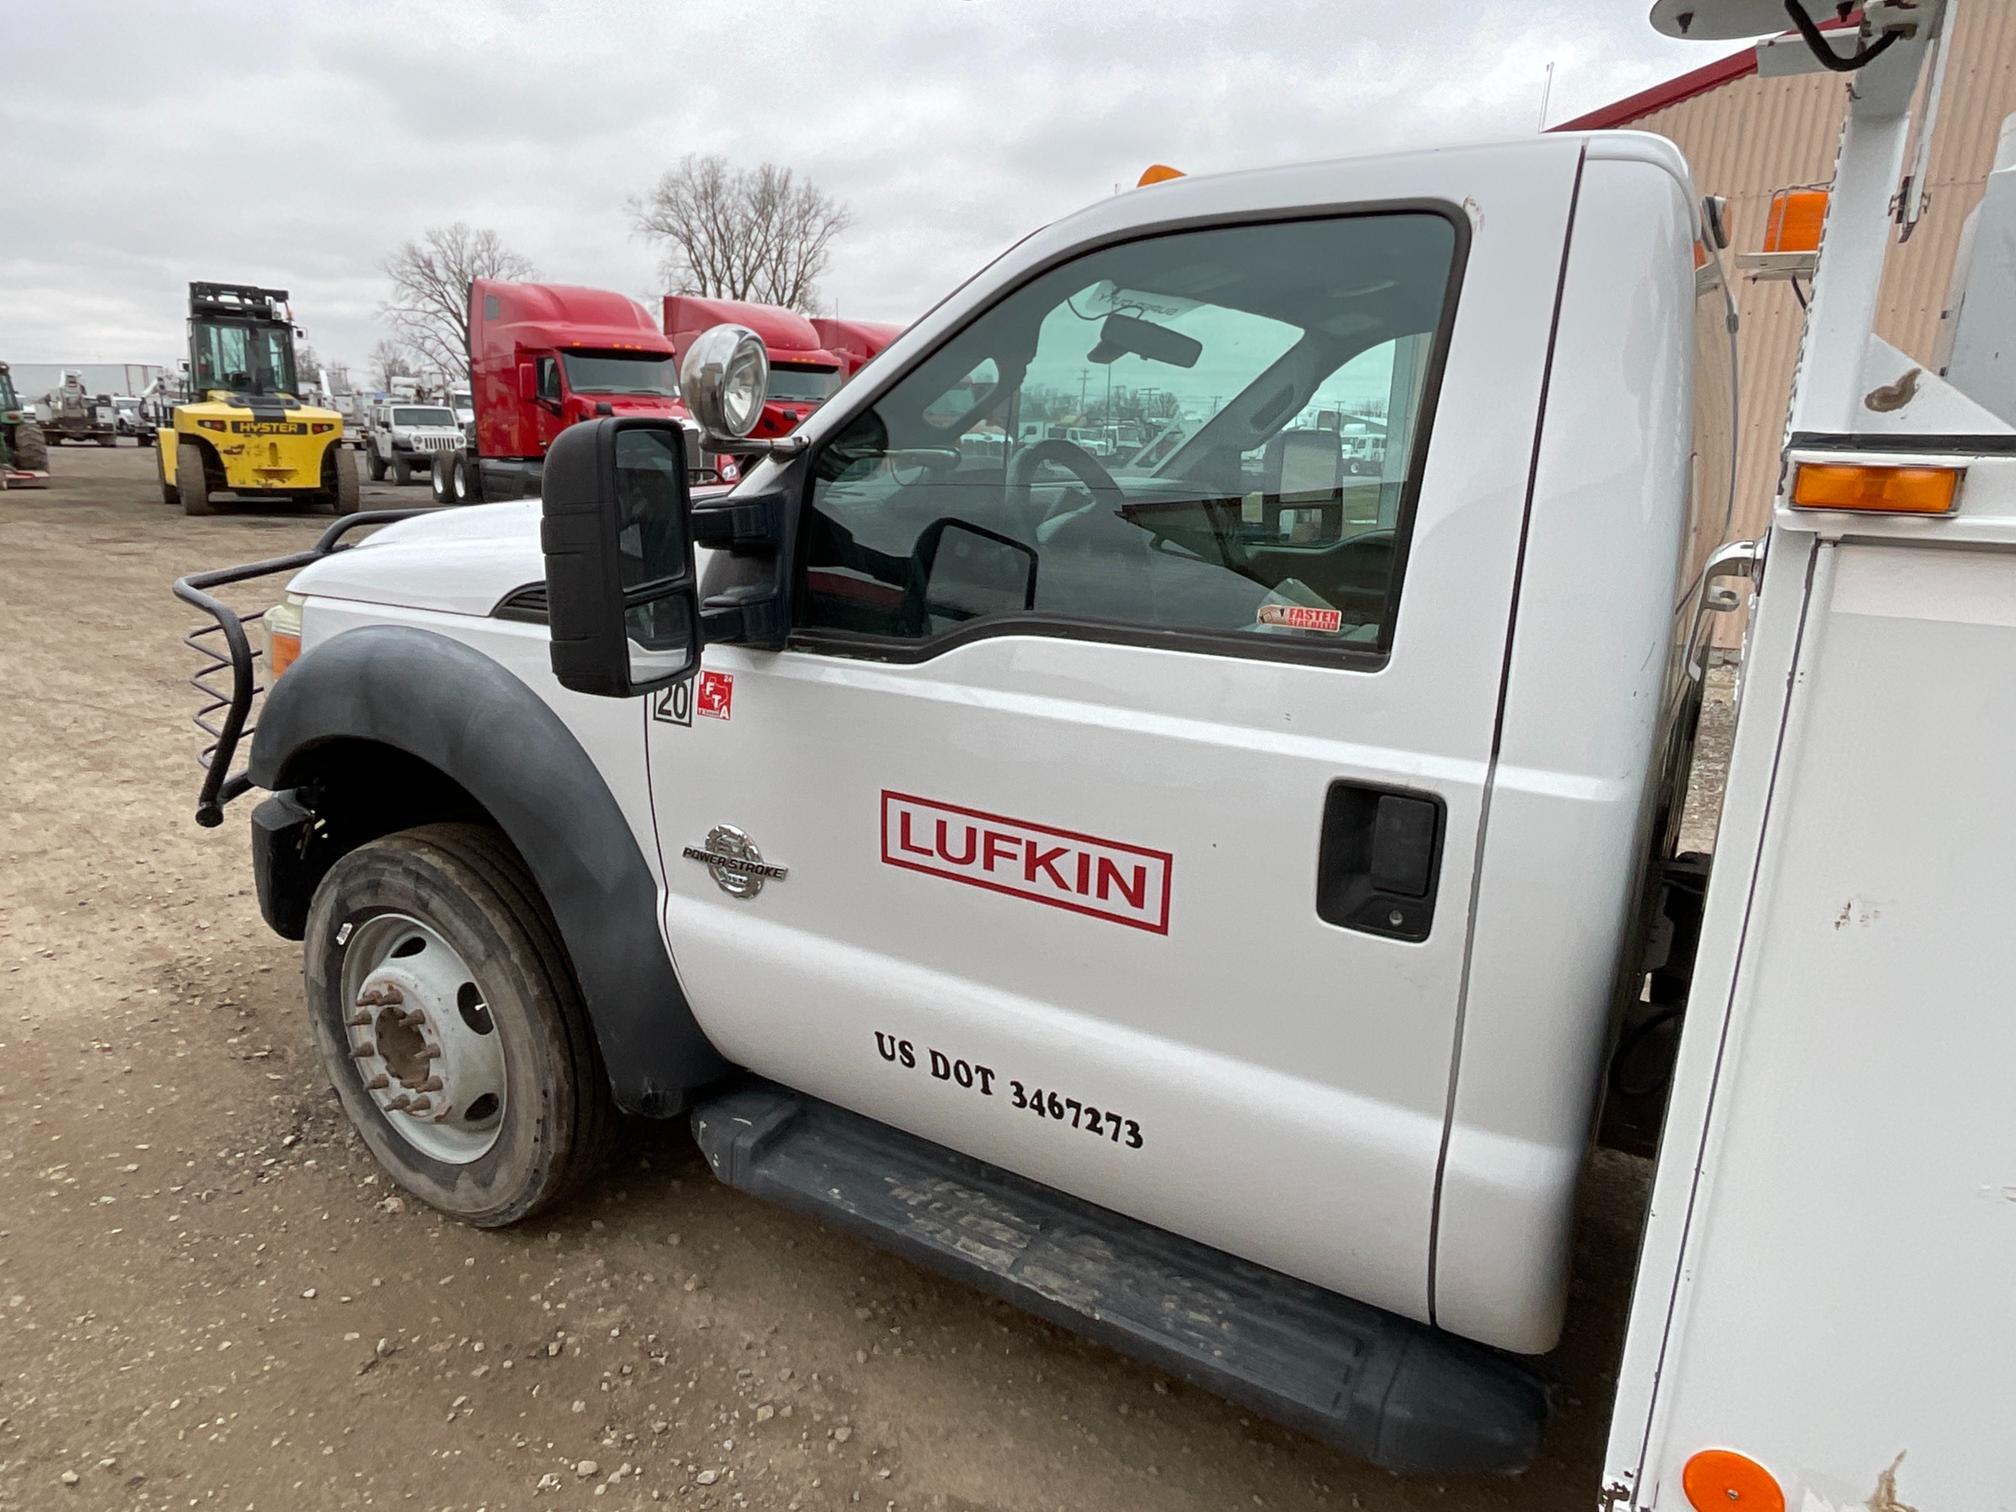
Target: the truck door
pixel 1120 819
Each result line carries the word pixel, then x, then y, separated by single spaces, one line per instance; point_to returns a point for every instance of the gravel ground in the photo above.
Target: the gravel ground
pixel 208 1297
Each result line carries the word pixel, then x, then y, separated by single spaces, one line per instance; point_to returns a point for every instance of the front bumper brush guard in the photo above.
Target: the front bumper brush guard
pixel 223 717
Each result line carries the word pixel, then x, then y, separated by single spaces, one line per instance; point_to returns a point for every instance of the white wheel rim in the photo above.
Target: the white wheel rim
pixel 421 1039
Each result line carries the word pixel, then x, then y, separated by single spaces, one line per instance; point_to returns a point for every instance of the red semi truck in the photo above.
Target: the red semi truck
pixel 854 341
pixel 803 373
pixel 541 358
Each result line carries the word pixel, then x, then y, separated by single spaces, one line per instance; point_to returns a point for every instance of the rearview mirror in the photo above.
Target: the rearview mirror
pixel 724 379
pixel 622 598
pixel 1125 336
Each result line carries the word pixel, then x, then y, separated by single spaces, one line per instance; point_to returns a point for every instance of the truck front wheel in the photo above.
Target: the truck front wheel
pixel 339 480
pixel 190 482
pixel 450 1023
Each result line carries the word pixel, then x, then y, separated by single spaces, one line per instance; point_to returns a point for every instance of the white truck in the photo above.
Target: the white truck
pixel 1204 915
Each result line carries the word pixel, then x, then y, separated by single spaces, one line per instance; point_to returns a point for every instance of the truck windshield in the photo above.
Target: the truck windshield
pixel 621 373
pixel 422 415
pixel 241 357
pixel 802 385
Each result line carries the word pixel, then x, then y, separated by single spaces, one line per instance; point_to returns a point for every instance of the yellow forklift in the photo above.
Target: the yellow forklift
pixel 242 430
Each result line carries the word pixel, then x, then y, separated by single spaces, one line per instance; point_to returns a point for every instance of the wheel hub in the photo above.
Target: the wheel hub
pixel 421 1039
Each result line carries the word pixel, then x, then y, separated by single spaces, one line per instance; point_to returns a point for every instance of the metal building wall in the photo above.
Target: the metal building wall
pixel 1749 136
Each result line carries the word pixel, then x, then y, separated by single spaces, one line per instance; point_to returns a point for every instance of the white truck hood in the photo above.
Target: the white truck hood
pixel 459 561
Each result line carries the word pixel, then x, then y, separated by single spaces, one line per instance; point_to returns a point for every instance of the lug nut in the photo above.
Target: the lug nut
pixel 399 1103
pixel 380 995
pixel 412 1018
pixel 364 1051
pixel 432 1084
pixel 420 1105
pixel 430 1052
pixel 378 1083
pixel 359 1020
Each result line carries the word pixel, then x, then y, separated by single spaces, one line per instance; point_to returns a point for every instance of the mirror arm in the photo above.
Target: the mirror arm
pixel 752 524
pixel 779 446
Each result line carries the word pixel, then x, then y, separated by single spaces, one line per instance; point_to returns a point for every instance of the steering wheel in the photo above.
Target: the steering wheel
pixel 1068 455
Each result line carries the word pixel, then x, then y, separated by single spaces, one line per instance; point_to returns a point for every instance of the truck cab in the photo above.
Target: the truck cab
pixel 1199 897
pixel 543 357
pixel 854 342
pixel 803 373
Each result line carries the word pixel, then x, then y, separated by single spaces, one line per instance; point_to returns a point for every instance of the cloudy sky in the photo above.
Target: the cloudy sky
pixel 295 144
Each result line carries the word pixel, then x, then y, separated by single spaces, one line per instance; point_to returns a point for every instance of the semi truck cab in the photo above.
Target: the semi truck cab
pixel 854 342
pixel 543 357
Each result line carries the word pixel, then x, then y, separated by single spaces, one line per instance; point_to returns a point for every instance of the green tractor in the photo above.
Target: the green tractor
pixel 24 450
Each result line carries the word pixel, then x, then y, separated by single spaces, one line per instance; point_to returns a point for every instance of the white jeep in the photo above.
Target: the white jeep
pixel 403 439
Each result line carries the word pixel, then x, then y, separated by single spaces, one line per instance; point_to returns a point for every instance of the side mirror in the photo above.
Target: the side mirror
pixel 622 596
pixel 960 571
pixel 528 383
pixel 723 379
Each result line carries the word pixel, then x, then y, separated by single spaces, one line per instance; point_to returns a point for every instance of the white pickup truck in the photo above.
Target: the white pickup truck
pixel 1199 903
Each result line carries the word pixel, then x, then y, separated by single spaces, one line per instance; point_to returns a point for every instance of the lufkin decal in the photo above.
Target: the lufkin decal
pixel 1107 879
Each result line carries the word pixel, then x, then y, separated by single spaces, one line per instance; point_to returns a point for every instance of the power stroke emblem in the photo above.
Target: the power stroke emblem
pixel 734 862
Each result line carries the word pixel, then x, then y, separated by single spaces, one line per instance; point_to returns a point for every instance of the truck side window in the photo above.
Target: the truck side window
pixel 549 379
pixel 1207 431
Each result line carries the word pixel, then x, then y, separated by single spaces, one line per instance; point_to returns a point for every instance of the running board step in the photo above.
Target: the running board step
pixel 1403 1395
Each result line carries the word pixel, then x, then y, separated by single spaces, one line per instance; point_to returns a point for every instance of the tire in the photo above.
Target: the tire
pixel 190 480
pixel 106 440
pixel 468 479
pixel 31 447
pixel 440 477
pixel 377 466
pixel 463 888
pixel 402 471
pixel 169 493
pixel 339 480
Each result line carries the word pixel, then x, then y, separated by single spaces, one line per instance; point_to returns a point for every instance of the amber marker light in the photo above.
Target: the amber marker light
pixel 1875 488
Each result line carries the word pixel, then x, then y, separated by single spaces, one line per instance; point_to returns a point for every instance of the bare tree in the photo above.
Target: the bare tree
pixel 757 233
pixel 429 307
pixel 389 361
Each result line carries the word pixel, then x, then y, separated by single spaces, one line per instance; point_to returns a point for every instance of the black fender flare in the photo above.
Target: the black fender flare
pixel 475 721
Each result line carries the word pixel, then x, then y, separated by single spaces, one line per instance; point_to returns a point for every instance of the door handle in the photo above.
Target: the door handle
pixel 1380 859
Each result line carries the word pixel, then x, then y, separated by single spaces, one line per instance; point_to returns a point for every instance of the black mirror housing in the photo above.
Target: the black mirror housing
pixel 622 595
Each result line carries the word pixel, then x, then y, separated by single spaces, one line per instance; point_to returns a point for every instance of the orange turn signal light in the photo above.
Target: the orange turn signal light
pixel 1795 221
pixel 1721 1480
pixel 1156 173
pixel 1878 490
pixel 282 650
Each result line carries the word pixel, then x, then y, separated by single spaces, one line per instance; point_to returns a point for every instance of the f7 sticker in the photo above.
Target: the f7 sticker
pixel 715 698
pixel 1106 879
